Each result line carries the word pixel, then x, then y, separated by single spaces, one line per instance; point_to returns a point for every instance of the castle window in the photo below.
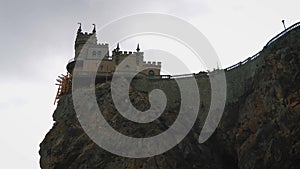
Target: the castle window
pixel 99 54
pixel 94 53
pixel 151 74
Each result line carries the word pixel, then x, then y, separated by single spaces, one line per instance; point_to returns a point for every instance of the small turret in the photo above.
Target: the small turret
pixel 118 47
pixel 94 30
pixel 138 48
pixel 116 54
pixel 79 29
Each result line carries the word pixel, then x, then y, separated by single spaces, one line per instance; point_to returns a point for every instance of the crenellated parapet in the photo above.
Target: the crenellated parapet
pixel 153 64
pixel 126 53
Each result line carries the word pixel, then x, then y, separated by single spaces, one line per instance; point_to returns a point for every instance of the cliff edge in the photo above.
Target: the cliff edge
pixel 259 128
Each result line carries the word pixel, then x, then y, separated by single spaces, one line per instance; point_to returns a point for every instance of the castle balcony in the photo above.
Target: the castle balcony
pixel 71 65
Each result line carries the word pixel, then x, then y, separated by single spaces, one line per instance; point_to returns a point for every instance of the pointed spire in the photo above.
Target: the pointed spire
pixel 79 29
pixel 138 48
pixel 118 47
pixel 94 30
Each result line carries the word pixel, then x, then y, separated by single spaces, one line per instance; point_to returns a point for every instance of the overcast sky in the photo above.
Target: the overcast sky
pixel 38 37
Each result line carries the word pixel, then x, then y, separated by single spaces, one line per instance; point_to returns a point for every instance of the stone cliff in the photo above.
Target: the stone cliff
pixel 259 128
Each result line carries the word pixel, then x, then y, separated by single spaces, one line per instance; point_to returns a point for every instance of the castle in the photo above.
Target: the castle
pixel 87 50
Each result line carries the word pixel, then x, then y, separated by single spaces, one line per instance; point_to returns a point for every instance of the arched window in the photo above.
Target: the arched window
pixel 151 74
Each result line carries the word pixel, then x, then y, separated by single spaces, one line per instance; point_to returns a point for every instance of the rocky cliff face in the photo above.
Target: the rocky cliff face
pixel 260 127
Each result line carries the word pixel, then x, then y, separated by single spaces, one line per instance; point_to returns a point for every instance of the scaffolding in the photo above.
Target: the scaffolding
pixel 64 83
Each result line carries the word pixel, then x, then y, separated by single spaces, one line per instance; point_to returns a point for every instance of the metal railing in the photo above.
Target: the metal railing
pixel 289 29
pixel 283 33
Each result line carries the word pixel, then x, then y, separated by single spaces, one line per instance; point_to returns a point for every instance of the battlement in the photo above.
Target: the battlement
pixel 124 53
pixel 102 44
pixel 86 38
pixel 84 35
pixel 152 64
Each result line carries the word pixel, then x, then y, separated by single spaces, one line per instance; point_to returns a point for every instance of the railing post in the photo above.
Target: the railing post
pixel 283 24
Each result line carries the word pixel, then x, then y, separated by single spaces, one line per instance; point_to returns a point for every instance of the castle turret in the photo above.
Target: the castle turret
pixel 86 45
pixel 83 39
